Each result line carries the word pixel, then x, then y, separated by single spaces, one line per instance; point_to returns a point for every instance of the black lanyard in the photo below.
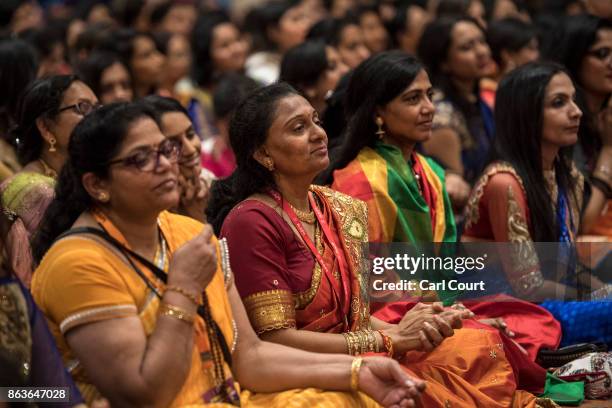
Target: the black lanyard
pixel 159 274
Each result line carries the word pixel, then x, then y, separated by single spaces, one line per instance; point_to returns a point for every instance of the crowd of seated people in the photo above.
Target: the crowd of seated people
pixel 193 193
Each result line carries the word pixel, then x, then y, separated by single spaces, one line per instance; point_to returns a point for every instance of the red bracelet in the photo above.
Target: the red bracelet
pixel 387 342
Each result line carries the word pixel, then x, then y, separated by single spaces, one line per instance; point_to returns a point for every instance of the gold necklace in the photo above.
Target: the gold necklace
pixel 305 216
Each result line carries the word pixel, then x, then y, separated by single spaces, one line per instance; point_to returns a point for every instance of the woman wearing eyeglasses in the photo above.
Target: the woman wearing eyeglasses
pixel 142 302
pixel 47 113
pixel 586 50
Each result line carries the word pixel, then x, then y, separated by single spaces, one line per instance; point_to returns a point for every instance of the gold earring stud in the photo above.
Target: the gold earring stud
pixel 269 164
pixel 103 197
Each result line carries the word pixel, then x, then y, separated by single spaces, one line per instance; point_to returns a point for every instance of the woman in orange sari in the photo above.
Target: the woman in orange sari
pixel 301 271
pixel 142 302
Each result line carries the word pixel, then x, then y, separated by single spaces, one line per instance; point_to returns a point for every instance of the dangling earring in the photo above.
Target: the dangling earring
pixel 52 142
pixel 380 132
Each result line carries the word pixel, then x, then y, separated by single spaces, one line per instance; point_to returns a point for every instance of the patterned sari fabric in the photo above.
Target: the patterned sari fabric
pixel 383 178
pixel 498 211
pixel 469 369
pixel 28 355
pixel 82 280
pixel 25 198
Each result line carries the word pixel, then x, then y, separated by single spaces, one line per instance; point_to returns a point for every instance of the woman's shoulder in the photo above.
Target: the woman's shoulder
pixel 497 178
pixel 255 213
pixel 65 257
pixel 26 190
pixel 338 197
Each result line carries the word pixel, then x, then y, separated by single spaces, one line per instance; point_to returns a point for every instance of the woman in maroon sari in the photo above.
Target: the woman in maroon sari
pixel 300 269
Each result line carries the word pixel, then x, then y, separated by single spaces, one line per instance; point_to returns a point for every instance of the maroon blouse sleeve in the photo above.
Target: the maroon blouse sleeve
pixel 269 265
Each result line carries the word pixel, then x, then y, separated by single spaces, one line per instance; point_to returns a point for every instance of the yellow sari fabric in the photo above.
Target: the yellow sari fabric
pixel 82 280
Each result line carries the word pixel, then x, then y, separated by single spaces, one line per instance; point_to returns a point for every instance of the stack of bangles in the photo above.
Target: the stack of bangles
pixel 166 309
pixel 365 341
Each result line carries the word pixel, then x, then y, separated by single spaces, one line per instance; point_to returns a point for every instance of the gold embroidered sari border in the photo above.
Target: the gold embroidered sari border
pixel 270 310
pixel 96 314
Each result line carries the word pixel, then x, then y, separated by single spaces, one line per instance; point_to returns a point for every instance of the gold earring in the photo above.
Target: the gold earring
pixel 269 164
pixel 52 142
pixel 380 132
pixel 103 197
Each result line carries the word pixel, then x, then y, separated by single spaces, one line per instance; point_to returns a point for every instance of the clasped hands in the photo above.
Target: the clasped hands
pixel 425 326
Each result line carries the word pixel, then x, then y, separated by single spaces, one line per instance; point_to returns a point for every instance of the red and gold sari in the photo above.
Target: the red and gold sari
pixel 284 287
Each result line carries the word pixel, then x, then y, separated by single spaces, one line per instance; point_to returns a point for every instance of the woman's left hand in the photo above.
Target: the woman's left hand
pixel 384 380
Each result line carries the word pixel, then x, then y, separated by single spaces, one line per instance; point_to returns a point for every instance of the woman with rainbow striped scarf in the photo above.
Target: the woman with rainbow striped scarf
pixel 389 103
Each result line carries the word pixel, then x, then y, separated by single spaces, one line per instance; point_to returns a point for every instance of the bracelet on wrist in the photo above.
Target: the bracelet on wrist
pixel 176 312
pixel 361 342
pixel 388 343
pixel 355 368
pixel 186 293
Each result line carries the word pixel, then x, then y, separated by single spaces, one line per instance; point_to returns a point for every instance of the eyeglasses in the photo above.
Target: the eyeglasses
pixel 148 158
pixel 82 108
pixel 602 54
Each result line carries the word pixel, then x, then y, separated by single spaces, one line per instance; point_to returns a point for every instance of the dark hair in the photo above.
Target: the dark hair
pixel 41 99
pixel 399 22
pixel 433 50
pixel 579 34
pixel 203 69
pixel 248 131
pixel 122 43
pixel 231 89
pixel 91 69
pixel 330 30
pixel 162 40
pixel 84 8
pixel 452 8
pixel 93 37
pixel 334 119
pixel 126 12
pixel 509 34
pixel 162 104
pixel 265 17
pixel 373 84
pixel 518 141
pixel 7 11
pixel 43 40
pixel 358 12
pixel 302 65
pixel 160 12
pixel 18 66
pixel 94 142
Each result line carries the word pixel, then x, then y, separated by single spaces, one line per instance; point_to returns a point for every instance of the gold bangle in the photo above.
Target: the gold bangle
pixel 355 367
pixel 187 294
pixel 166 309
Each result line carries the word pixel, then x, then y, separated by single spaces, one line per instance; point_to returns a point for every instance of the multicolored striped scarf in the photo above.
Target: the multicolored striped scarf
pixel 399 211
pixel 402 208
